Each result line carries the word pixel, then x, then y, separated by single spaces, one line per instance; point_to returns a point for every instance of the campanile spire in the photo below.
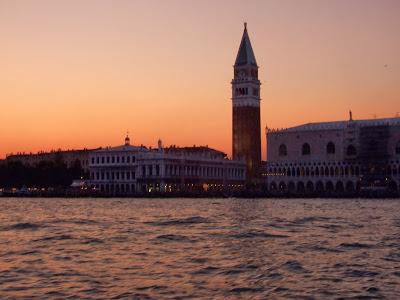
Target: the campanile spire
pixel 245 54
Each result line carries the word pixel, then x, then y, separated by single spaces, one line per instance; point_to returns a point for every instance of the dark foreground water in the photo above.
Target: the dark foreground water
pixel 199 248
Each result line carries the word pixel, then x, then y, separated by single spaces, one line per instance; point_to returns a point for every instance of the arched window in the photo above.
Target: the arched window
pixel 332 172
pixel 282 150
pixel 351 150
pixel 330 148
pixel 398 147
pixel 306 149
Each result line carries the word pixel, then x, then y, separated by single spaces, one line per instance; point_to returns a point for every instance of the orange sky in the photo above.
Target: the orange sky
pixel 77 74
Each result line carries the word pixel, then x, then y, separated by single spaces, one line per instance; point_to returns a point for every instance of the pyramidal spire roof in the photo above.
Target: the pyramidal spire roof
pixel 245 54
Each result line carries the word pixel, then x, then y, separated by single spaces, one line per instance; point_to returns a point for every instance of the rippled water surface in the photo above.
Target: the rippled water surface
pixel 199 248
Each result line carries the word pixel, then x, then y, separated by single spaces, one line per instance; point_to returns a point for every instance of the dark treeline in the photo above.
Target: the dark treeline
pixel 43 175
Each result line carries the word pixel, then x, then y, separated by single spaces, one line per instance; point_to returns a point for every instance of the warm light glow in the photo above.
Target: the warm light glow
pixel 78 74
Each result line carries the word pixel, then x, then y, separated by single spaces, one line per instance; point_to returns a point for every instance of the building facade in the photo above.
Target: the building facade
pixel 246 134
pixel 69 157
pixel 129 169
pixel 334 157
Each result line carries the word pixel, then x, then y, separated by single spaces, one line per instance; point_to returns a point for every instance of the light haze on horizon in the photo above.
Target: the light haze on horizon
pixel 78 74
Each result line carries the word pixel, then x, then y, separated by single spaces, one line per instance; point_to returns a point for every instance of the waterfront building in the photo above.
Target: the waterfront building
pixel 246 134
pixel 129 169
pixel 334 157
pixel 69 157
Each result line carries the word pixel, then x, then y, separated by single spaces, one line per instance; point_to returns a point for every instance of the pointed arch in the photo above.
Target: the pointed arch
pixel 329 186
pixel 300 187
pixel 306 149
pixel 291 187
pixel 339 186
pixel 310 187
pixel 282 150
pixel 330 148
pixel 319 187
pixel 332 172
pixel 350 187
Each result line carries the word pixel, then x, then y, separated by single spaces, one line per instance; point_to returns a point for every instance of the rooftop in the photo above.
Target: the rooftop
pixel 245 54
pixel 338 125
pixel 194 150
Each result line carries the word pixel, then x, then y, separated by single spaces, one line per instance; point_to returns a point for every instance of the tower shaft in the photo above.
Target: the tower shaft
pixel 246 129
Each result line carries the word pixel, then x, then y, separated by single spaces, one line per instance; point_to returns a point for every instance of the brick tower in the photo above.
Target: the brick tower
pixel 246 133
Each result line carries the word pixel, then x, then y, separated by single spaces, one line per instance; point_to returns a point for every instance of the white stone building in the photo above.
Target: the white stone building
pixel 334 157
pixel 129 169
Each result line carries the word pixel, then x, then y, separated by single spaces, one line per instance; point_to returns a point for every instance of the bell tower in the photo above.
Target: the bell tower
pixel 246 132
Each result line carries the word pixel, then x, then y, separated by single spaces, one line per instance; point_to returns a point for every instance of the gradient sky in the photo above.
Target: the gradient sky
pixel 77 74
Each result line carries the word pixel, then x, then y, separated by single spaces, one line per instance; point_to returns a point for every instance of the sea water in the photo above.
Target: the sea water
pixel 199 248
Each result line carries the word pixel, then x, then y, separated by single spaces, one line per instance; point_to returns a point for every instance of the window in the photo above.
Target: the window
pixel 282 150
pixel 306 149
pixel 351 150
pixel 330 148
pixel 398 147
pixel 241 91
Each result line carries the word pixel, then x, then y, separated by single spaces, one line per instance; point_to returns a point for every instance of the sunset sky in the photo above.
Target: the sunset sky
pixel 77 74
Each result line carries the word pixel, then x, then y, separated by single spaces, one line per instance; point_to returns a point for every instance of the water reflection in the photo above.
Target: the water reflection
pixel 199 248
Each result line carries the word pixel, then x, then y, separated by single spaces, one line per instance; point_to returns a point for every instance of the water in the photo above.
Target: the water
pixel 199 248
